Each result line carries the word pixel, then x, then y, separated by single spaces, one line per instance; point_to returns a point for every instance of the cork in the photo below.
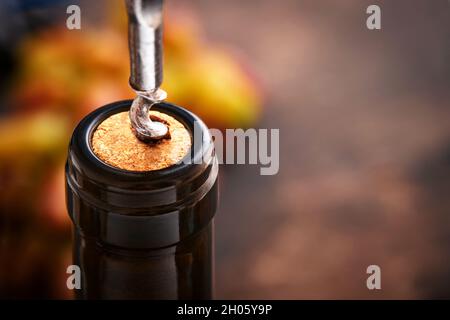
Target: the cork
pixel 114 143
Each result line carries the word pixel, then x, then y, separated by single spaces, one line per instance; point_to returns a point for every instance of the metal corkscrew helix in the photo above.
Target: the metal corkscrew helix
pixel 145 45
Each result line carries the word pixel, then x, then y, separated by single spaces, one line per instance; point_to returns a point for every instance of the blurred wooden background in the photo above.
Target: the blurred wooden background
pixel 364 124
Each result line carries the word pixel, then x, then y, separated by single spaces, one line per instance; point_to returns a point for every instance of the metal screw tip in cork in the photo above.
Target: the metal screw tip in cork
pixel 144 128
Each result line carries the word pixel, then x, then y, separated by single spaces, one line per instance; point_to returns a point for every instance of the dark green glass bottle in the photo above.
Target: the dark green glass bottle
pixel 143 235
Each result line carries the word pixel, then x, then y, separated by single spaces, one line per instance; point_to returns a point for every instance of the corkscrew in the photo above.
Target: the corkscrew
pixel 145 46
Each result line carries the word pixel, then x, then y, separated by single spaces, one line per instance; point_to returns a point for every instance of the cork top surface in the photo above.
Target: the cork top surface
pixel 114 143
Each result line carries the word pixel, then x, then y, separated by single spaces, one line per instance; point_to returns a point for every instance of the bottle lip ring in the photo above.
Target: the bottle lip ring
pixel 83 136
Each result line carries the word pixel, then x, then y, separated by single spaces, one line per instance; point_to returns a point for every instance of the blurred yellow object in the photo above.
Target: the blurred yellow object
pixel 37 134
pixel 63 71
pixel 213 86
pixel 29 147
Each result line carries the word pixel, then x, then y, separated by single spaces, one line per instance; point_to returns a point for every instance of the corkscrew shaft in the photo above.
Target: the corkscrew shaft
pixel 145 43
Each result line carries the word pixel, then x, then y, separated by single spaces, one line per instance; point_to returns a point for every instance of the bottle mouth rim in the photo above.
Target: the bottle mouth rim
pixel 89 124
